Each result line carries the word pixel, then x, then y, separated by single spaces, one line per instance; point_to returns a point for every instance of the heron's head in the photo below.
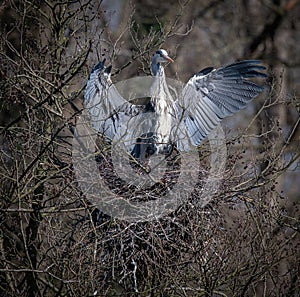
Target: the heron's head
pixel 103 72
pixel 161 56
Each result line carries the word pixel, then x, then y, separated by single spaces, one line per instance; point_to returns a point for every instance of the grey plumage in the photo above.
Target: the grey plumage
pixel 208 97
pixel 108 110
pixel 213 94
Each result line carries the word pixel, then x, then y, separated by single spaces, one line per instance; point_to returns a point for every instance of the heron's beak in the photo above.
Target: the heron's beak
pixel 169 59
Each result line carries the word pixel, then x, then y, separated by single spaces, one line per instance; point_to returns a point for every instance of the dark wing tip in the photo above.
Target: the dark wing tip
pixel 246 62
pixel 246 69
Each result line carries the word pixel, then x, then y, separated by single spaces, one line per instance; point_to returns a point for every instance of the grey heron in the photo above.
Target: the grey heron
pixel 207 98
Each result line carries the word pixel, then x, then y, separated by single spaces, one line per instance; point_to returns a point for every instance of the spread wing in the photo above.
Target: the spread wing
pixel 108 110
pixel 213 94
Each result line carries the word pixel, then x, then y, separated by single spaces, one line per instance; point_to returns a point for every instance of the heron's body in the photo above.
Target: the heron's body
pixel 162 106
pixel 207 98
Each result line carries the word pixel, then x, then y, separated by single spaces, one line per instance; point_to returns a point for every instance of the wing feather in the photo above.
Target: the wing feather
pixel 213 94
pixel 108 110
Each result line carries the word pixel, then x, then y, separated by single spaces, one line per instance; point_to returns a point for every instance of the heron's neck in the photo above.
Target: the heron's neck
pixel 159 89
pixel 157 69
